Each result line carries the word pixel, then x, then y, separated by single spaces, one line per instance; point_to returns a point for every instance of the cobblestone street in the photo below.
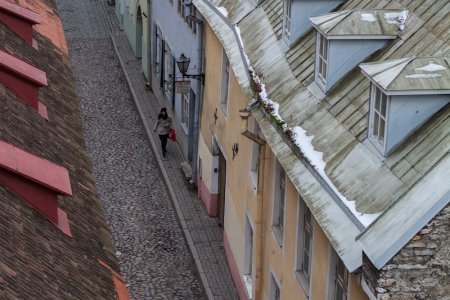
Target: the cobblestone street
pixel 152 250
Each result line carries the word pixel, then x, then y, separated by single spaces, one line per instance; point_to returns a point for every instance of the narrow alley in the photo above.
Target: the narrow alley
pixel 152 250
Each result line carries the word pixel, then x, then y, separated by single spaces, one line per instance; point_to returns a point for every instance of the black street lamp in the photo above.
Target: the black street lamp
pixel 183 65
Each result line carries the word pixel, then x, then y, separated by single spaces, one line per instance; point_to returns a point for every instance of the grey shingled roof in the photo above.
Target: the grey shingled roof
pixel 338 124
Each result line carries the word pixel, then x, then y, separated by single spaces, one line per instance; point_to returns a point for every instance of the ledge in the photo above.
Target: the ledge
pixel 27 15
pixel 37 181
pixel 23 69
pixel 24 80
pixel 20 20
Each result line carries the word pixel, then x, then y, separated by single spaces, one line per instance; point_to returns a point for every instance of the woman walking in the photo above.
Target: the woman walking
pixel 163 126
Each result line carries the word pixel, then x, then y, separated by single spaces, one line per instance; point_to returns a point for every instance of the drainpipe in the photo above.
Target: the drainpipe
pixel 148 84
pixel 198 104
pixel 259 223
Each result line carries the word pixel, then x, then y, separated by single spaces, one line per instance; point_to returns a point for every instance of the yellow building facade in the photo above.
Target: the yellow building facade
pixel 274 248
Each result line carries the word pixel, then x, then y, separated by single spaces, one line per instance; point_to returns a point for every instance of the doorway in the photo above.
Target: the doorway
pixel 139 32
pixel 221 189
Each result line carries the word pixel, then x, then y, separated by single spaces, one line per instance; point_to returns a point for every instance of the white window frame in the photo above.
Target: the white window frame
pixel 304 226
pixel 225 84
pixel 376 118
pixel 168 69
pixel 335 281
pixel 158 41
pixel 274 287
pixel 287 15
pixel 185 101
pixel 322 53
pixel 279 204
pixel 254 162
pixel 248 256
pixel 191 23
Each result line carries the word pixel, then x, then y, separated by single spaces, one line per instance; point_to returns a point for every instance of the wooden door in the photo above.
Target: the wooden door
pixel 221 189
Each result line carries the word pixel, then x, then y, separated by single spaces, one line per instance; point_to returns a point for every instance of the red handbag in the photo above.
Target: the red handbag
pixel 172 134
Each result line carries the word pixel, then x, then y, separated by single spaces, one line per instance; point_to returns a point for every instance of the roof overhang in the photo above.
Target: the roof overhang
pixel 405 92
pixel 397 225
pixel 230 40
pixel 354 37
pixel 339 229
pixel 359 37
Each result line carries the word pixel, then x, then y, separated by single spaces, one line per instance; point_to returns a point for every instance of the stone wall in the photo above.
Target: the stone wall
pixel 421 270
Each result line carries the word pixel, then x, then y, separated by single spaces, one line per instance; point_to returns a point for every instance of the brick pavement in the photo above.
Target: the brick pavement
pixel 204 236
pixel 146 230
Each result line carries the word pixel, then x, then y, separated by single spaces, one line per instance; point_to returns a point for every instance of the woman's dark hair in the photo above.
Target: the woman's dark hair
pixel 161 115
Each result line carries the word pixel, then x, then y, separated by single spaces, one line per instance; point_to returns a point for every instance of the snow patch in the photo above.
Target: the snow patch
pixel 397 18
pixel 238 31
pixel 368 18
pixel 431 67
pixel 304 142
pixel 301 139
pixel 424 76
pixel 223 11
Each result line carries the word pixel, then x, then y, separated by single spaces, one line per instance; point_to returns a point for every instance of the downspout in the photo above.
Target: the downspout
pixel 259 221
pixel 198 104
pixel 148 84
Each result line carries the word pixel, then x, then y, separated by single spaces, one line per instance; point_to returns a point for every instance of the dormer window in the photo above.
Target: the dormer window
pixel 322 58
pixel 405 93
pixel 378 117
pixel 346 38
pixel 296 15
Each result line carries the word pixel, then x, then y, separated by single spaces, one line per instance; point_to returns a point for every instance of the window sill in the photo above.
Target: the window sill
pixel 248 285
pixel 369 143
pixel 304 282
pixel 278 233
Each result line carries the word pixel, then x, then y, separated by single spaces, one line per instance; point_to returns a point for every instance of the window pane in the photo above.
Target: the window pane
pixel 381 135
pixel 339 292
pixel 377 100
pixel 308 217
pixel 325 49
pixel 306 263
pixel 307 241
pixel 324 70
pixel 341 269
pixel 320 40
pixel 375 124
pixel 225 78
pixel 383 104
